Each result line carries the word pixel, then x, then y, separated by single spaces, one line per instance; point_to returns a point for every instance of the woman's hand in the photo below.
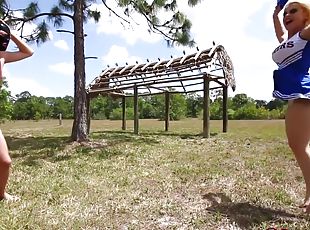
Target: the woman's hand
pixel 276 11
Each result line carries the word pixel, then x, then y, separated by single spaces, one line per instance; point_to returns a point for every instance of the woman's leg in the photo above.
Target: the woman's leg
pixel 297 122
pixel 5 163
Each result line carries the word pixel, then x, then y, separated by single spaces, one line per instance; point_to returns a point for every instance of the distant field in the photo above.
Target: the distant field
pixel 244 179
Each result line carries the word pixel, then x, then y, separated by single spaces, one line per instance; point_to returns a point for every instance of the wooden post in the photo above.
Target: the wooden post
pixel 88 113
pixel 124 113
pixel 225 109
pixel 60 118
pixel 206 106
pixel 167 110
pixel 136 112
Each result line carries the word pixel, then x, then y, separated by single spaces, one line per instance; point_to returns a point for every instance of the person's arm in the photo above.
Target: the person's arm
pixel 1 70
pixel 23 52
pixel 305 33
pixel 277 24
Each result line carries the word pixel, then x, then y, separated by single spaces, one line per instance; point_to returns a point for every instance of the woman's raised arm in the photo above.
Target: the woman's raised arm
pixel 277 24
pixel 23 52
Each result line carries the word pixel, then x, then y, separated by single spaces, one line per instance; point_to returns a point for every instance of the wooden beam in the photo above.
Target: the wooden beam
pixel 151 75
pixel 134 68
pixel 88 118
pixel 114 71
pixel 106 71
pixel 159 63
pixel 159 72
pixel 124 113
pixel 174 92
pixel 170 62
pixel 197 55
pixel 136 112
pixel 225 108
pixel 185 57
pixel 167 110
pixel 206 107
pixel 126 68
pixel 153 82
pixel 147 65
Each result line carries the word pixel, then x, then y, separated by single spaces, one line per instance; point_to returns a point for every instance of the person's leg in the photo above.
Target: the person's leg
pixel 297 122
pixel 5 163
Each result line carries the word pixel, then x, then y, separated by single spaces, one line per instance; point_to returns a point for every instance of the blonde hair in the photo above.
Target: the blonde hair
pixel 305 7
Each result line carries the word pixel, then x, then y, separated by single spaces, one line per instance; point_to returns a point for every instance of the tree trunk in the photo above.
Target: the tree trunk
pixel 79 129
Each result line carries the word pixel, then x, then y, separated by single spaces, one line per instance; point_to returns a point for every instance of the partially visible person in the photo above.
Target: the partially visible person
pixel 292 81
pixel 24 51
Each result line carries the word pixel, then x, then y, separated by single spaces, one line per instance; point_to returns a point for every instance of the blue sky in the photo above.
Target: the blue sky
pixel 244 28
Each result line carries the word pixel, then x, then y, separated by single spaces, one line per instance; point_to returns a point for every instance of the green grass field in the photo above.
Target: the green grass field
pixel 244 179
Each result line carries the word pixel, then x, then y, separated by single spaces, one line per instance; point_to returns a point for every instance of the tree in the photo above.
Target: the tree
pixel 194 104
pixel 176 30
pixel 178 106
pixel 276 104
pixel 20 108
pixel 216 109
pixel 6 106
pixel 63 106
pixel 30 107
pixel 240 100
pixel 261 103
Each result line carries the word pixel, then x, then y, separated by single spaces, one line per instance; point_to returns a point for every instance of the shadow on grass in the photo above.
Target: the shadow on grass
pixel 54 149
pixel 32 149
pixel 36 143
pixel 144 136
pixel 114 137
pixel 247 215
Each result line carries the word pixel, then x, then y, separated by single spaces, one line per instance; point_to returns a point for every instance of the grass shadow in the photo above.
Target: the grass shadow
pixel 247 215
pixel 30 149
pixel 115 137
pixel 144 136
pixel 36 143
pixel 54 149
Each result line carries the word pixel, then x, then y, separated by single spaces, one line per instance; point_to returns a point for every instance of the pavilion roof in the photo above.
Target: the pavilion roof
pixel 183 74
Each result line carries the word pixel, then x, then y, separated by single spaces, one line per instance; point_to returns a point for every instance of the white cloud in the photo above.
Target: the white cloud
pixel 243 29
pixel 64 68
pixel 19 84
pixel 132 33
pixel 61 44
pixel 119 55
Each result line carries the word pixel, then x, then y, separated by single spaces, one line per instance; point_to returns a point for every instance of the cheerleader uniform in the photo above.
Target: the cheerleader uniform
pixel 292 79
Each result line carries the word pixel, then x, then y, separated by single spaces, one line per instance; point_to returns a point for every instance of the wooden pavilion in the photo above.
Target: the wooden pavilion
pixel 202 71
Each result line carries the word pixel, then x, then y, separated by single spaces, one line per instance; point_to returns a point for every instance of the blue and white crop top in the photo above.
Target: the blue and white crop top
pixel 291 79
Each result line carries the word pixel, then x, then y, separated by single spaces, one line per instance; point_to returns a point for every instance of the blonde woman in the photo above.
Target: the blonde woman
pixel 292 81
pixel 24 51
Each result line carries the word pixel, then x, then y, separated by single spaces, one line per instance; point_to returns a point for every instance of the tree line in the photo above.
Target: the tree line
pixel 25 106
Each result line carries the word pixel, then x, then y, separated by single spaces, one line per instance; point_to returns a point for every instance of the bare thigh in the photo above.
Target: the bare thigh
pixel 297 123
pixel 4 153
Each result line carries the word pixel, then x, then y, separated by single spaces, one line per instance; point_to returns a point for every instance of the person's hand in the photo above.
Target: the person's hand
pixel 276 11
